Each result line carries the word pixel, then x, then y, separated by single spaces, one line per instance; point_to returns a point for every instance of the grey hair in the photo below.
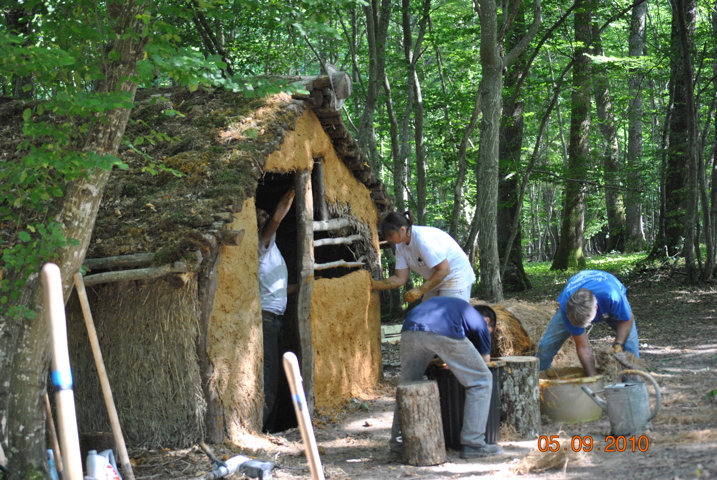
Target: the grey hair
pixel 581 307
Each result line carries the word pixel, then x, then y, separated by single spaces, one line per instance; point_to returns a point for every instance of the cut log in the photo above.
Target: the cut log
pixel 419 408
pixel 520 395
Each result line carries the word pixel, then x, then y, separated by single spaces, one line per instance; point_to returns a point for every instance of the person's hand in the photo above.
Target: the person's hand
pixel 617 347
pixel 413 295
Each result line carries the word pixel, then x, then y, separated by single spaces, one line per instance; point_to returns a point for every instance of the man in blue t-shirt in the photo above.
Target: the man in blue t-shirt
pixel 589 297
pixel 455 331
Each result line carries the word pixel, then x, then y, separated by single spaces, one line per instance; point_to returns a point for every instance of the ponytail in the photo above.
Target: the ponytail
pixel 394 221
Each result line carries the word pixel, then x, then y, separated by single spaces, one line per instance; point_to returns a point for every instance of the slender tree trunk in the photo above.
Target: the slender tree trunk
pixel 412 52
pixel 713 159
pixel 377 16
pixel 25 358
pixel 570 247
pixel 614 205
pixel 511 140
pixel 633 214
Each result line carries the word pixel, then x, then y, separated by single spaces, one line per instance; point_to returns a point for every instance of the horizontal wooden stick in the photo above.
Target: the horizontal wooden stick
pixel 333 224
pixel 136 274
pixel 337 240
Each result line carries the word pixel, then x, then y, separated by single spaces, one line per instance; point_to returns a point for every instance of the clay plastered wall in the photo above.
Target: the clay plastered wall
pixel 235 330
pixel 298 151
pixel 345 328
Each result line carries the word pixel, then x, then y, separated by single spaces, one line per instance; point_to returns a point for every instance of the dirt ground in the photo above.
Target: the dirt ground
pixel 678 336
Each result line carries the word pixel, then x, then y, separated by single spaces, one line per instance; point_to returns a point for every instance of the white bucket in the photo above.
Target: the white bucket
pixel 102 466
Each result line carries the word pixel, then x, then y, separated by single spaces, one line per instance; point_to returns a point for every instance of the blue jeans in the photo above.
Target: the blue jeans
pixel 556 334
pixel 418 349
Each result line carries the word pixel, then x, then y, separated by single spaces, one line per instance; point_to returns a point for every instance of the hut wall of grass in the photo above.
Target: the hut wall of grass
pixel 147 332
pixel 346 334
pixel 235 345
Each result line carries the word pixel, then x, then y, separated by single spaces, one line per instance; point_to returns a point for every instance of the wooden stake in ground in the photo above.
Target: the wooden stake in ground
pixel 520 395
pixel 61 372
pixel 293 375
pixel 419 407
pixel 126 466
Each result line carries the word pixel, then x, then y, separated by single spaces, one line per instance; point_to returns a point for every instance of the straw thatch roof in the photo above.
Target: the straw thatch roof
pixel 219 141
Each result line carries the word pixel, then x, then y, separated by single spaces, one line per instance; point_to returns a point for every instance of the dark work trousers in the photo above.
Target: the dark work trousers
pixel 272 361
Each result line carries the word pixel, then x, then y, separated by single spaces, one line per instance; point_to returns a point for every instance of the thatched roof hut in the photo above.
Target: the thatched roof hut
pixel 172 266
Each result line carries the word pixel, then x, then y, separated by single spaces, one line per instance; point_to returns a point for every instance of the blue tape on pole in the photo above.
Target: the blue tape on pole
pixel 299 400
pixel 62 380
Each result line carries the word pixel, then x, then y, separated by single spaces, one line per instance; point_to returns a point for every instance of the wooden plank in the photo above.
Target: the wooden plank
pixel 305 257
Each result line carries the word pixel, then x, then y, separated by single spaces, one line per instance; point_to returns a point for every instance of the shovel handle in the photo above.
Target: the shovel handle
pixel 652 381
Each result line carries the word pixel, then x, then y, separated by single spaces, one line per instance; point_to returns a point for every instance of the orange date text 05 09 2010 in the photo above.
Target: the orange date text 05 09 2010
pixel 577 443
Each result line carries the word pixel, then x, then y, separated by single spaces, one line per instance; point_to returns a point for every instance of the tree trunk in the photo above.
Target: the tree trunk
pixel 487 167
pixel 24 359
pixel 614 205
pixel 678 161
pixel 635 240
pixel 411 53
pixel 511 140
pixel 377 16
pixel 570 246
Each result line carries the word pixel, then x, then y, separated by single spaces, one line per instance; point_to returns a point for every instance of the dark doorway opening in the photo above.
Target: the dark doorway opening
pixel 269 191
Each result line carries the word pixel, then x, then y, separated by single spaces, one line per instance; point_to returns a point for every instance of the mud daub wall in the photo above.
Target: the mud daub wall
pixel 147 333
pixel 345 326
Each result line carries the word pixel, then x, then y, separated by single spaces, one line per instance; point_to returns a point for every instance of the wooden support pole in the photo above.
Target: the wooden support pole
pixel 333 224
pixel 419 408
pixel 305 284
pixel 520 395
pixel 337 240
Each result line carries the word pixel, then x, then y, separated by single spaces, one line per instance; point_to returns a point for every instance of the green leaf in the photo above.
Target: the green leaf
pixel 24 236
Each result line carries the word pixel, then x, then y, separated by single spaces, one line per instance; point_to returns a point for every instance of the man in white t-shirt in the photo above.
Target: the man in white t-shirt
pixel 273 288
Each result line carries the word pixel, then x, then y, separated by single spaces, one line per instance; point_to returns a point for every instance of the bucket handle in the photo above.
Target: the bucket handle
pixel 651 381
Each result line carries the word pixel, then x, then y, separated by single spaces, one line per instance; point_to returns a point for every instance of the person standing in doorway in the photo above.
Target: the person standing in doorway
pixel 274 289
pixel 431 253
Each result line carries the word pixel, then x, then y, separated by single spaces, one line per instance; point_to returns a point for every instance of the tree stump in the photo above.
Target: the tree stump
pixel 520 395
pixel 419 408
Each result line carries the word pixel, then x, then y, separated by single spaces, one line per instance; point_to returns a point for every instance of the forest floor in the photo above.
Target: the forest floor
pixel 677 326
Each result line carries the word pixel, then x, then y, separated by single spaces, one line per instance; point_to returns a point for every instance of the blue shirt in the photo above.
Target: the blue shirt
pixel 450 317
pixel 609 293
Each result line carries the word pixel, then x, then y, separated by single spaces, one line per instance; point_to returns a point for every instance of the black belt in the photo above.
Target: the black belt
pixel 272 315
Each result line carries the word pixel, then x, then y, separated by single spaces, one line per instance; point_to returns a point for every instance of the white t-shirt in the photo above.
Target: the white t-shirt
pixel 273 278
pixel 430 246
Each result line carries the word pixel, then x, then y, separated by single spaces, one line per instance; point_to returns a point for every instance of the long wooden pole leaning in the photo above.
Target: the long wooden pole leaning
pixel 53 438
pixel 61 372
pixel 293 374
pixel 125 464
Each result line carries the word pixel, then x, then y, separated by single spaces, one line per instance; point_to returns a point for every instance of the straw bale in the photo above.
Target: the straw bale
pixel 147 332
pixel 538 462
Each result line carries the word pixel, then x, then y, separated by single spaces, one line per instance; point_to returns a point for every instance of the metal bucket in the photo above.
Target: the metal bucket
pixel 562 398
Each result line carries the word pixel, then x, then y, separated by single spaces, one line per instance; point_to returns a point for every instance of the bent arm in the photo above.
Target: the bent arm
pixel 585 354
pixel 282 208
pixel 440 273
pixel 623 330
pixel 398 279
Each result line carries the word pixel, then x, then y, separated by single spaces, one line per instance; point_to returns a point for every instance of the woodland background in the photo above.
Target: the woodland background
pixel 529 130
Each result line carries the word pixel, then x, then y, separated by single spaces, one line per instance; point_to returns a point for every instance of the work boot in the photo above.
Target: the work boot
pixel 480 451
